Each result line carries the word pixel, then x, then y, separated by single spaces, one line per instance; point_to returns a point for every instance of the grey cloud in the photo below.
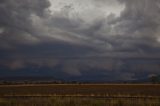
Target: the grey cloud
pixel 78 42
pixel 133 24
pixel 140 20
pixel 15 20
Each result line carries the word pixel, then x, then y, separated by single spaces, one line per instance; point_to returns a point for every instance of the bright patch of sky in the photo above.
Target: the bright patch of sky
pixel 88 8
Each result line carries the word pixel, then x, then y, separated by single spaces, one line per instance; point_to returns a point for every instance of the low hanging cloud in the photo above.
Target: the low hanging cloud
pixel 118 39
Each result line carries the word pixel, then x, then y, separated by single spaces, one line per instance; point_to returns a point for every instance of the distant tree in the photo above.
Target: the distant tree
pixel 155 79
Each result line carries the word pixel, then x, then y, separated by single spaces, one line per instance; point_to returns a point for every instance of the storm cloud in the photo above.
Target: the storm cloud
pixel 87 39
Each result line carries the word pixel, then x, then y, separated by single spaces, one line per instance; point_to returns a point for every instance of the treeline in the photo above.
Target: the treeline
pixel 155 79
pixel 28 82
pixel 39 82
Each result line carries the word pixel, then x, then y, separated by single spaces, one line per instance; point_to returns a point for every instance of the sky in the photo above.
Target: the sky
pixel 100 40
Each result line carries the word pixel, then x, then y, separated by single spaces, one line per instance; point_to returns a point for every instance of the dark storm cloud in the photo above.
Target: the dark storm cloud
pixel 140 22
pixel 16 23
pixel 90 42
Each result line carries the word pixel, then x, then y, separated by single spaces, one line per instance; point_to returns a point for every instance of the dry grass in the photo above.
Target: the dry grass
pixel 70 101
pixel 98 90
pixel 80 95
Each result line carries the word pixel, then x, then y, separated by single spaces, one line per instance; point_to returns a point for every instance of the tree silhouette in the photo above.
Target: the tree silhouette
pixel 155 79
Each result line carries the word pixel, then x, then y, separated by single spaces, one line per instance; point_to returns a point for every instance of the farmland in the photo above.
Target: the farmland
pixel 80 94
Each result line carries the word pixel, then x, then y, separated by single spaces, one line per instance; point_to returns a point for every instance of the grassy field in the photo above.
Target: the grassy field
pixel 80 95
pixel 72 101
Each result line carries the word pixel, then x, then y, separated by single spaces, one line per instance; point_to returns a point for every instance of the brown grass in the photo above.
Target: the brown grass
pixel 72 101
pixel 80 95
pixel 93 90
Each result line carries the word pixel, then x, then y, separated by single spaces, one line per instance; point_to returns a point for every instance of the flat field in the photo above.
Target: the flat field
pixel 80 95
pixel 97 90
